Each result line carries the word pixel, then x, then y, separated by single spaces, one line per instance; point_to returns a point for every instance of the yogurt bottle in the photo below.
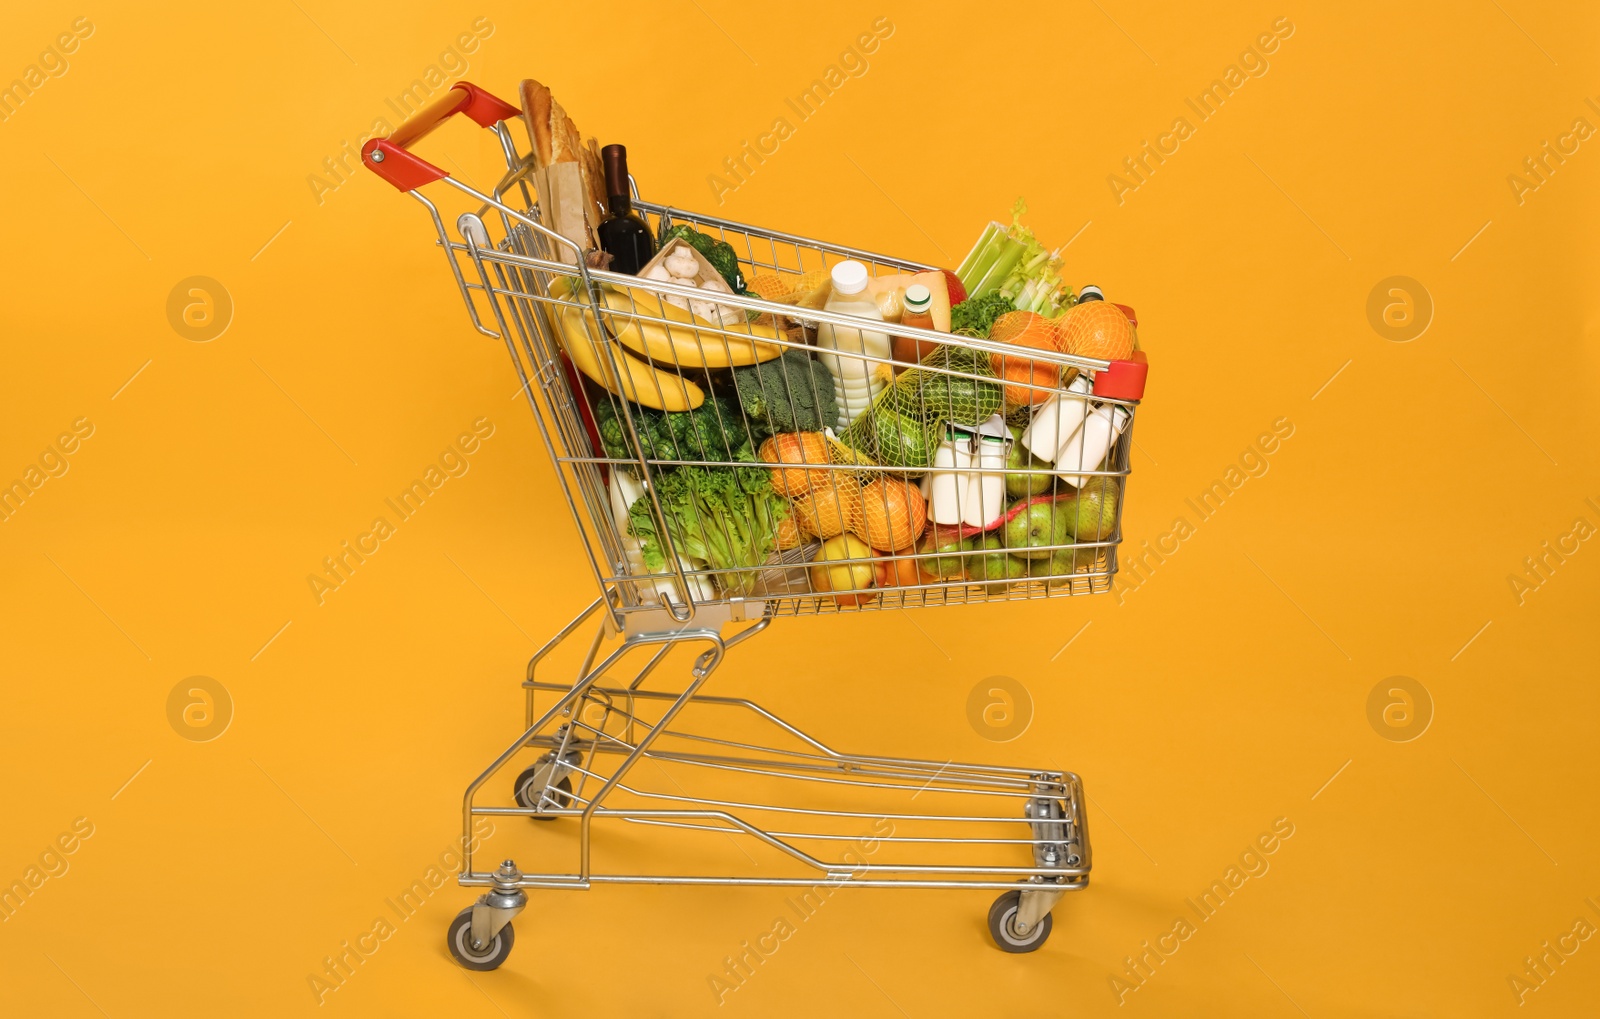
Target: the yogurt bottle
pixel 856 380
pixel 1090 444
pixel 986 491
pixel 946 486
pixel 1057 419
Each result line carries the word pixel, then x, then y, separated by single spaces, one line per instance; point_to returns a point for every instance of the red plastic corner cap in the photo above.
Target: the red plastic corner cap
pixel 397 166
pixel 485 109
pixel 1124 380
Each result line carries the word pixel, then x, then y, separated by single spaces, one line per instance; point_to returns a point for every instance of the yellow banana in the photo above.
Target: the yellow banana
pixel 697 344
pixel 638 381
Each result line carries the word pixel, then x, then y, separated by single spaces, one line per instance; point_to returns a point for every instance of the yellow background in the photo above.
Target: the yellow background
pixel 1220 695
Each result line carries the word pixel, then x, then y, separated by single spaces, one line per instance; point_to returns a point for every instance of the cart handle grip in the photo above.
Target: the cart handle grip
pixel 390 157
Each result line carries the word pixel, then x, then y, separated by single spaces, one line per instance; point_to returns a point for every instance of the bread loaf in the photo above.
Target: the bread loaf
pixel 536 106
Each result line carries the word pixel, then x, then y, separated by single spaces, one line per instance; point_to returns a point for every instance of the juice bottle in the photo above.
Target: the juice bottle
pixel 856 379
pixel 918 314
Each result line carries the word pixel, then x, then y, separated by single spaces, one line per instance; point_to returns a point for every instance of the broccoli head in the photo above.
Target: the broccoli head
pixel 714 431
pixel 791 393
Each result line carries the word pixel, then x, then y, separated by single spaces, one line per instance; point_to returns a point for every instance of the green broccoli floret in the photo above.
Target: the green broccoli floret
pixel 791 393
pixel 975 315
pixel 714 431
pixel 719 253
pixel 654 427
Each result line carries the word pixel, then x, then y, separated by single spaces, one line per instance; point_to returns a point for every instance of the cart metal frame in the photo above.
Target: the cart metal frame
pixel 585 745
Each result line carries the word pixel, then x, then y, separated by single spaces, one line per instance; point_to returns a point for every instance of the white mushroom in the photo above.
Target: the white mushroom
pixel 674 299
pixel 658 272
pixel 717 285
pixel 708 310
pixel 681 262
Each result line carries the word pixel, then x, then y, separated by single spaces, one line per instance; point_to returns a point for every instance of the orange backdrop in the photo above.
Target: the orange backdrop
pixel 1360 240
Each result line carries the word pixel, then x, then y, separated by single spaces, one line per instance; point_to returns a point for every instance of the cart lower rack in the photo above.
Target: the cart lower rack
pixel 722 771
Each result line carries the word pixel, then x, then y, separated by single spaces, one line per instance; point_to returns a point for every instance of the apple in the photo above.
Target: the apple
pixel 849 582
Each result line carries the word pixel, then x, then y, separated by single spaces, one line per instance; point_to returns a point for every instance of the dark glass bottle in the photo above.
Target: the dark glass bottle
pixel 623 233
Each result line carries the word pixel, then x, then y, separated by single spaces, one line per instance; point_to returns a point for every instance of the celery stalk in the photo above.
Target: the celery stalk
pixel 1011 253
pixel 983 254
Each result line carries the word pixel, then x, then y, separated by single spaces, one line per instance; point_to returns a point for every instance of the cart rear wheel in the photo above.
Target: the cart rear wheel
pixel 1002 925
pixel 529 791
pixel 459 938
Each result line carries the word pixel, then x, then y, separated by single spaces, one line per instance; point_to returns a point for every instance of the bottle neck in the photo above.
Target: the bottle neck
pixel 620 205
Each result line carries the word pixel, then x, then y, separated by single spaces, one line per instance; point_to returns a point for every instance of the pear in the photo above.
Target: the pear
pixel 949 564
pixel 1062 564
pixel 1091 514
pixel 991 565
pixel 1031 533
pixel 1019 486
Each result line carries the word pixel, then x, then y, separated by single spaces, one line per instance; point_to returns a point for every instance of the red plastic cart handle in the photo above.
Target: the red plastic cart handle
pixel 389 158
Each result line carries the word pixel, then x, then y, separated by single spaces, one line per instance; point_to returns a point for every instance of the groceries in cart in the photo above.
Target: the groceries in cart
pixel 856 430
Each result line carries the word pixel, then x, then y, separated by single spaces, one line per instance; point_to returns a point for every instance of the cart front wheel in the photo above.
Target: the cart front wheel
pixel 1002 925
pixel 459 938
pixel 529 791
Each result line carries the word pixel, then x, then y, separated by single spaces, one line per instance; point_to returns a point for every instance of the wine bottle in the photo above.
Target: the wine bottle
pixel 623 233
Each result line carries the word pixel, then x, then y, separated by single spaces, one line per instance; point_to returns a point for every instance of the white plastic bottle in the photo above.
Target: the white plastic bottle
pixel 986 491
pixel 856 380
pixel 1057 419
pixel 947 485
pixel 1089 445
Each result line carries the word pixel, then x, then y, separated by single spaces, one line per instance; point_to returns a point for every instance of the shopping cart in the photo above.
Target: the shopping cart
pixel 725 768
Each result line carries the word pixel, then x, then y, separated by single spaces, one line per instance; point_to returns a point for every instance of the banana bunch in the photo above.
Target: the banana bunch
pixel 683 339
pixel 692 342
pixel 634 379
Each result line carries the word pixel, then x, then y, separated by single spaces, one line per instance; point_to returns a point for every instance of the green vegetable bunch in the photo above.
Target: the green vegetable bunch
pixel 1011 261
pixel 726 516
pixel 719 253
pixel 714 431
pixel 791 393
pixel 976 315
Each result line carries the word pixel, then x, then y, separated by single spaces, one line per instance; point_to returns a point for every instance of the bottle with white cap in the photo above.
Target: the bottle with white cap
pixel 1058 418
pixel 946 487
pixel 1090 444
pixel 986 492
pixel 856 379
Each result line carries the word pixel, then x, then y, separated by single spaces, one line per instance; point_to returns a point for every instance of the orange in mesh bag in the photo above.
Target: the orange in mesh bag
pixel 1019 373
pixel 828 509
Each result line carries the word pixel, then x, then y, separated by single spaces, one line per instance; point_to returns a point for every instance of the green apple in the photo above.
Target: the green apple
pixel 1031 533
pixel 1019 486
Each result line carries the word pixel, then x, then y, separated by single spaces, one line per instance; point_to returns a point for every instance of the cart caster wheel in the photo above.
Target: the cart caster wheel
pixel 459 938
pixel 1002 921
pixel 530 787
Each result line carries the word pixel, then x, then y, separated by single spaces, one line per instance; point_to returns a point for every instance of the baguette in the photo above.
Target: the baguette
pixel 536 108
pixel 565 145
